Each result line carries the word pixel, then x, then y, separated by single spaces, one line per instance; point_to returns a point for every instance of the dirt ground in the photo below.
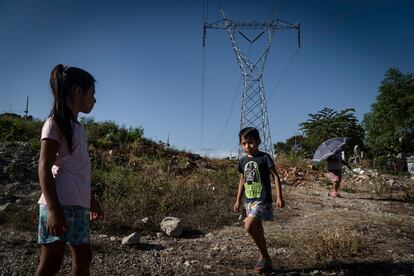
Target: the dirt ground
pixel 368 231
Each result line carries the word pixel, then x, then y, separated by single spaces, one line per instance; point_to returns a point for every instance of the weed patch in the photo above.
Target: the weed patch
pixel 334 244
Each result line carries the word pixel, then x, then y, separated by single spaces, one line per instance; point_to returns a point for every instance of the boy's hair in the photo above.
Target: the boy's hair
pixel 249 132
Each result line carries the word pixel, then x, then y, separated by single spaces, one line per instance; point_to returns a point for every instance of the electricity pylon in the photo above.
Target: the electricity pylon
pixel 253 104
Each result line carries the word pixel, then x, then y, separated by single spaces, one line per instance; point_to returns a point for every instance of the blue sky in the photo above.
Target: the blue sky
pixel 147 59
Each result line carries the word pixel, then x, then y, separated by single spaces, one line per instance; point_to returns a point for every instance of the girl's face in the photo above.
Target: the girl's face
pixel 88 100
pixel 249 145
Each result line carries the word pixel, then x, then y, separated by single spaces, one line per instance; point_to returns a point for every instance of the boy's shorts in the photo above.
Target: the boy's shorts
pixel 77 218
pixel 259 209
pixel 335 175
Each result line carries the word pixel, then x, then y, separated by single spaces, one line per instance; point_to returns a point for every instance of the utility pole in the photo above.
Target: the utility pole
pixel 26 111
pixel 253 103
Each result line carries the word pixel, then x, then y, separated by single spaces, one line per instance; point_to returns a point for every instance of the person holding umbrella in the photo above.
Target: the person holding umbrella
pixel 331 151
pixel 335 172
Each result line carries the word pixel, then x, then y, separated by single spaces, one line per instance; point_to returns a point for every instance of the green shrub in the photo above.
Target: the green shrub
pixel 289 160
pixel 19 129
pixel 108 134
pixel 202 200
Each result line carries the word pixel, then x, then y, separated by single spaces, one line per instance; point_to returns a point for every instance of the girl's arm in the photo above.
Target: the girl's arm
pixel 279 197
pixel 56 223
pixel 96 211
pixel 240 191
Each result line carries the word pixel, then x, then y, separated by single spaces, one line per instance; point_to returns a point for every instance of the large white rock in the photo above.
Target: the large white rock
pixel 131 239
pixel 172 226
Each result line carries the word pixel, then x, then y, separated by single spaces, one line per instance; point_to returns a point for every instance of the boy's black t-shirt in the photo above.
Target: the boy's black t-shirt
pixel 256 172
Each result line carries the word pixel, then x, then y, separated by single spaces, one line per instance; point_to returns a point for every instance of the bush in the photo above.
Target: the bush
pixel 203 200
pixel 288 160
pixel 108 134
pixel 19 129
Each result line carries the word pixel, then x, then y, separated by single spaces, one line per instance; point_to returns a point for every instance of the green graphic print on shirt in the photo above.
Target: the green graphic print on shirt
pixel 252 183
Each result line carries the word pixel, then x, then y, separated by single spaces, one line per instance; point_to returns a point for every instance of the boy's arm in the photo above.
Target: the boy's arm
pixel 279 197
pixel 240 191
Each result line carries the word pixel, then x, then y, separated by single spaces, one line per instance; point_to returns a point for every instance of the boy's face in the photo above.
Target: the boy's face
pixel 249 145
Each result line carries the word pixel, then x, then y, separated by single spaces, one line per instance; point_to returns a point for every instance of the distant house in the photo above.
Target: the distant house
pixel 10 115
pixel 13 116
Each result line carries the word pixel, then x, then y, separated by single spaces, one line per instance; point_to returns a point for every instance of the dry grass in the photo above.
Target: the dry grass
pixel 201 197
pixel 334 244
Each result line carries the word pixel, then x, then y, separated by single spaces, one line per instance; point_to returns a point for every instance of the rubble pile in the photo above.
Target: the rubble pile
pixel 292 175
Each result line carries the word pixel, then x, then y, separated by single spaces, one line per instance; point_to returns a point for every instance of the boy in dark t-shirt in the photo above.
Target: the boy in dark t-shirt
pixel 255 171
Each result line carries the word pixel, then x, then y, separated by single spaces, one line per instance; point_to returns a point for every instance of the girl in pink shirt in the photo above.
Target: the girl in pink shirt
pixel 66 205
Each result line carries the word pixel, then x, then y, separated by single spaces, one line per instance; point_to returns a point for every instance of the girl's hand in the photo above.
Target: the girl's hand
pixel 96 211
pixel 56 223
pixel 236 207
pixel 280 203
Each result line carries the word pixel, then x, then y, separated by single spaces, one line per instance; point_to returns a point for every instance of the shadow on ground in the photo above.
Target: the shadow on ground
pixel 373 268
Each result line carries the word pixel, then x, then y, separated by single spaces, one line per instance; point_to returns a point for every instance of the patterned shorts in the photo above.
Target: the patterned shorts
pixel 259 209
pixel 77 218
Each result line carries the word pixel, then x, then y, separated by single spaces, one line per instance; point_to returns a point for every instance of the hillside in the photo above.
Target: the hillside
pixel 370 231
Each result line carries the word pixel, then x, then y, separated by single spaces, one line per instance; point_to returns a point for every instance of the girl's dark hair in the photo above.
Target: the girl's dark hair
pixel 249 132
pixel 63 80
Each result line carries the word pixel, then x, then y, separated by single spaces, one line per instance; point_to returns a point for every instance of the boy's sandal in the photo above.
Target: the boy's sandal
pixel 263 265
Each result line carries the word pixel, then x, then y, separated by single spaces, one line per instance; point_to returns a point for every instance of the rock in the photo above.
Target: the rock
pixel 5 207
pixel 391 182
pixel 131 239
pixel 207 266
pixel 172 226
pixel 145 220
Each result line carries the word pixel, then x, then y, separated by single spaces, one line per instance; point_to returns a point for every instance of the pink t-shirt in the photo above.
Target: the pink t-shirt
pixel 72 172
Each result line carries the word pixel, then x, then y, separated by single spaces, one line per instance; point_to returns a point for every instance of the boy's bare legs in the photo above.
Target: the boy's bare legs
pixel 81 259
pixel 51 257
pixel 254 227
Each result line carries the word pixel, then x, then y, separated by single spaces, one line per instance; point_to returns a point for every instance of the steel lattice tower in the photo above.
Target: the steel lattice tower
pixel 253 103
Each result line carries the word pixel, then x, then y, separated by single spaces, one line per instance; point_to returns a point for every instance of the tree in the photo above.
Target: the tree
pixel 390 124
pixel 294 145
pixel 329 123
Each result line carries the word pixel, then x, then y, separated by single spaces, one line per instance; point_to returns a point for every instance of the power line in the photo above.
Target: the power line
pixel 334 23
pixel 284 72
